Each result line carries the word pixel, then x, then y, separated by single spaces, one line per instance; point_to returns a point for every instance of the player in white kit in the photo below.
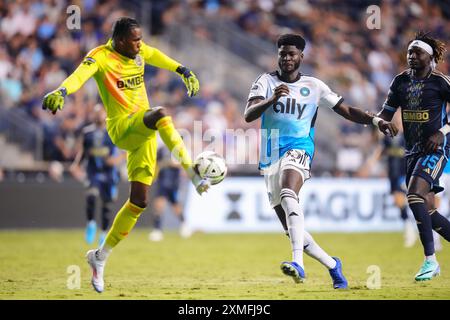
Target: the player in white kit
pixel 287 102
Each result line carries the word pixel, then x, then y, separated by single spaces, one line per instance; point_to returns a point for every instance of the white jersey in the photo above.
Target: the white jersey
pixel 289 122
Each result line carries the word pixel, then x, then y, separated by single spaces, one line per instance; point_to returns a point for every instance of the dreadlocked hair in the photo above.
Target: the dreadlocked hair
pixel 437 45
pixel 123 26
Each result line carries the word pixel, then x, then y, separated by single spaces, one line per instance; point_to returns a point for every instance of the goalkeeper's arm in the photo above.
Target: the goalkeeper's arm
pixel 54 100
pixel 82 74
pixel 159 59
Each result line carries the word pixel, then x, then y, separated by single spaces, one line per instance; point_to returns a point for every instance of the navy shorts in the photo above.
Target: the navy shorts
pixel 107 189
pixel 397 183
pixel 428 167
pixel 171 194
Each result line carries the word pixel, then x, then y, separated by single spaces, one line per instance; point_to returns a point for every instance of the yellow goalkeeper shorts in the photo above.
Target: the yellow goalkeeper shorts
pixel 128 132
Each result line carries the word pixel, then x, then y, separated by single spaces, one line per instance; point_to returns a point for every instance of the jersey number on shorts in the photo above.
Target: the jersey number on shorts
pixel 430 161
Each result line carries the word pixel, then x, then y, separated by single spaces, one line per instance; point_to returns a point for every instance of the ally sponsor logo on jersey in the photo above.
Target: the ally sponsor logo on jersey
pixel 290 107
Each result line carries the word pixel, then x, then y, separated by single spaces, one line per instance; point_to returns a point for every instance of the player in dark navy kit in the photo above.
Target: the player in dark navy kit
pixel 167 189
pixel 394 150
pixel 422 92
pixel 101 159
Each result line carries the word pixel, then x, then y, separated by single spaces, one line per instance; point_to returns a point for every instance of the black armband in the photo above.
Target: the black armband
pixel 63 91
pixel 183 71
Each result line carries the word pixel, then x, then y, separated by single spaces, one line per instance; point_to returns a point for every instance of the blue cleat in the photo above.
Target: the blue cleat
pixel 294 270
pixel 339 281
pixel 91 229
pixel 428 270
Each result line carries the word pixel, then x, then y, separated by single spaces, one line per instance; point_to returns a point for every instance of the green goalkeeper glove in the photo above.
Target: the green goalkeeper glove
pixel 190 80
pixel 54 100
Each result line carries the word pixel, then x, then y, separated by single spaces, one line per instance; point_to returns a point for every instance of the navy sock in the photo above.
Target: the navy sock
pixel 423 219
pixel 404 213
pixel 90 207
pixel 157 222
pixel 440 224
pixel 105 216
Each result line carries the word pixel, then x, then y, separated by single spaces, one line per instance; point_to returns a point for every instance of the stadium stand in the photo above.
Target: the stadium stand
pixel 217 38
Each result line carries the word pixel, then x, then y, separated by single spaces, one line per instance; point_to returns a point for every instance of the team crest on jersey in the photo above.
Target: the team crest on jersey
pixel 304 91
pixel 414 95
pixel 138 60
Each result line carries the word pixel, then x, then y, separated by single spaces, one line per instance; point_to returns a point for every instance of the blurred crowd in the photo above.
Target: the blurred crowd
pixel 37 52
pixel 356 47
pixel 355 61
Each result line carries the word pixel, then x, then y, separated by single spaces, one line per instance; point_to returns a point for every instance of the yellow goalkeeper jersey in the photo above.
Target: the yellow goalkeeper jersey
pixel 120 80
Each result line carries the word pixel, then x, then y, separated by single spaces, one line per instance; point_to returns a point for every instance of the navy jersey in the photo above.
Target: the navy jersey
pixel 423 106
pixel 98 147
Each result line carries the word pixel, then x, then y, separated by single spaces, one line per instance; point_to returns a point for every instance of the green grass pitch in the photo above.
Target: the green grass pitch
pixel 36 265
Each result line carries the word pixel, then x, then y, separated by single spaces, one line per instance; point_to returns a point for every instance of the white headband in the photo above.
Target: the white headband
pixel 423 45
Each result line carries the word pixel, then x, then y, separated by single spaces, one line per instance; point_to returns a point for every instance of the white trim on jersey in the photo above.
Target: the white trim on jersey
pixel 389 108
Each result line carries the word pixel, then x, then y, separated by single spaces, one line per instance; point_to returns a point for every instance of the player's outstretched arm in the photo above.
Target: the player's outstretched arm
pixel 256 107
pixel 157 58
pixel 359 116
pixel 54 100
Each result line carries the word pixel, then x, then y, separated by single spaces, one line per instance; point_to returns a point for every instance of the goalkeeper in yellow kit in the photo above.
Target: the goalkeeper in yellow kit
pixel 118 69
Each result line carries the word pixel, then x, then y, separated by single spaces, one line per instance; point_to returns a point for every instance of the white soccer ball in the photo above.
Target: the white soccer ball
pixel 211 165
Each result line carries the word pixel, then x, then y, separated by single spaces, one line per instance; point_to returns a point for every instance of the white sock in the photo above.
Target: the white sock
pixel 431 258
pixel 103 252
pixel 295 222
pixel 315 251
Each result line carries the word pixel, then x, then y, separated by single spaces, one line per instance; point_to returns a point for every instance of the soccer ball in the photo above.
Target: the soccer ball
pixel 211 165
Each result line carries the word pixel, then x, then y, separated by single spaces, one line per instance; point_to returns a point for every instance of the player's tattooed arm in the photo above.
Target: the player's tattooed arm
pixel 359 116
pixel 256 107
